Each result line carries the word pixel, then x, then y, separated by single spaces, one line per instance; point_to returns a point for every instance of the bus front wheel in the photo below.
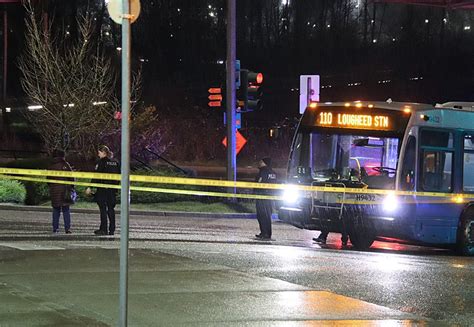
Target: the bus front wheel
pixel 466 233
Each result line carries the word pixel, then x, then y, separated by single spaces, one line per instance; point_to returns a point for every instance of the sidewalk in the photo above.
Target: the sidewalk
pixel 154 213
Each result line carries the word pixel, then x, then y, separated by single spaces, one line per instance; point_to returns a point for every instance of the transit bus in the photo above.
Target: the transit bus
pixel 420 156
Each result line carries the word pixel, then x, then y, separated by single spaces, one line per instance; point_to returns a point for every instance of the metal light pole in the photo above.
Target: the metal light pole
pixel 124 12
pixel 125 182
pixel 230 92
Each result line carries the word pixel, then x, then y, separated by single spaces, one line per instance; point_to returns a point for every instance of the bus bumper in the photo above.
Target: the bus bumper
pixel 294 216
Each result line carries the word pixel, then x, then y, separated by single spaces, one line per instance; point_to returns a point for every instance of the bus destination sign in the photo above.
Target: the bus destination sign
pixel 354 120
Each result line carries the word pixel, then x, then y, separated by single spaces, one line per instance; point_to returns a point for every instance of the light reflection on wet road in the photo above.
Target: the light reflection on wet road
pixel 429 282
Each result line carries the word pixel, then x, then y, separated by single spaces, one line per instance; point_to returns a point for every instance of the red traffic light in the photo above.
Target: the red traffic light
pixel 215 97
pixel 254 78
pixel 214 104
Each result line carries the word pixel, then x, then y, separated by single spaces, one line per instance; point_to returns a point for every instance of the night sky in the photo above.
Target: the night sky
pixel 373 51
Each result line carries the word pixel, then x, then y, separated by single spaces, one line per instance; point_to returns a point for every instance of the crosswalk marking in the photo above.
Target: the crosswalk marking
pixel 30 247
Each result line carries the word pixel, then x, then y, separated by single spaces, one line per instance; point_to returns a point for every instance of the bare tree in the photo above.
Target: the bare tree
pixel 72 80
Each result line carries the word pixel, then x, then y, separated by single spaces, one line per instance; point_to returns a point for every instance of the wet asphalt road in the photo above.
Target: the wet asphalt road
pixel 433 284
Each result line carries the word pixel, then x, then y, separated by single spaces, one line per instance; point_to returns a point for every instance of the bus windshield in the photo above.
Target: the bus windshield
pixel 345 157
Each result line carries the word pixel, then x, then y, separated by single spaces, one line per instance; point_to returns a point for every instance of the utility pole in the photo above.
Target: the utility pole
pixel 230 92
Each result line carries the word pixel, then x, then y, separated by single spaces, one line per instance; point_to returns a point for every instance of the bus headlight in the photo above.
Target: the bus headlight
pixel 291 195
pixel 391 203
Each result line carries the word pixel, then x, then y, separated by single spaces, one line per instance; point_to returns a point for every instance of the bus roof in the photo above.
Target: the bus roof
pixel 390 105
pixel 464 106
pixel 402 106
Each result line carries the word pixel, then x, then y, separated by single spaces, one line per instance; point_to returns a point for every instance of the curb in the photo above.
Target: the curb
pixel 139 212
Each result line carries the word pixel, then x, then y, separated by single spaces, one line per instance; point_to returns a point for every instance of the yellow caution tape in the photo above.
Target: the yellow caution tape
pixel 452 197
pixel 147 189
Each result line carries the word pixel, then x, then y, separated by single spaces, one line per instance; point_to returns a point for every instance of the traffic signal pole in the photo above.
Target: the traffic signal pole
pixel 230 92
pixel 5 54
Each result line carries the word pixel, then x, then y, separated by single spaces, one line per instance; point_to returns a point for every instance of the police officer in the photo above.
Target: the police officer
pixel 264 207
pixel 106 197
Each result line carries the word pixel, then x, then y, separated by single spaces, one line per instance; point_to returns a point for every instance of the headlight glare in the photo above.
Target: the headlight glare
pixel 291 195
pixel 391 203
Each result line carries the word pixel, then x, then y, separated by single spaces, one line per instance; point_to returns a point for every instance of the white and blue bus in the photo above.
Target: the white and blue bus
pixel 422 156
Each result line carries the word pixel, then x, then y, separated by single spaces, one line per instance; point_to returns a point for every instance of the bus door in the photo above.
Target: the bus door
pixel 436 217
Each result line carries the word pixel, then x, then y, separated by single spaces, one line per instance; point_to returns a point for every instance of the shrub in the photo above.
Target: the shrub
pixel 81 193
pixel 11 191
pixel 36 193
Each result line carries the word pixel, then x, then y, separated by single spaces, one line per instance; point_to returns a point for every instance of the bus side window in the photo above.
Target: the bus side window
pixel 436 171
pixel 468 166
pixel 409 163
pixel 444 139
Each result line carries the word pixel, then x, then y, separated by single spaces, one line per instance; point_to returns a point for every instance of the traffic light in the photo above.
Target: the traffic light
pixel 250 90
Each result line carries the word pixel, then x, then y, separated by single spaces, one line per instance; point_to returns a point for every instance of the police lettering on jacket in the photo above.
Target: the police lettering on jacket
pixel 265 175
pixel 109 166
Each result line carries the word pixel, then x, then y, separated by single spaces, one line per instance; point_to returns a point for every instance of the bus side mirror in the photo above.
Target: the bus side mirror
pixel 274 133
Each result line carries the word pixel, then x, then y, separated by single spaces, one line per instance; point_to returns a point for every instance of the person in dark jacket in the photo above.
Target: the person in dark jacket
pixel 106 197
pixel 265 207
pixel 58 192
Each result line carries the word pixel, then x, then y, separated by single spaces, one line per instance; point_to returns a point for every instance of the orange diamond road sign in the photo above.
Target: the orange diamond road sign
pixel 239 142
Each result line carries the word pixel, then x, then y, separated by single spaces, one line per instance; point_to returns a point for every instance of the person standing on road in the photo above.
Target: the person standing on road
pixel 265 207
pixel 105 197
pixel 323 236
pixel 60 193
